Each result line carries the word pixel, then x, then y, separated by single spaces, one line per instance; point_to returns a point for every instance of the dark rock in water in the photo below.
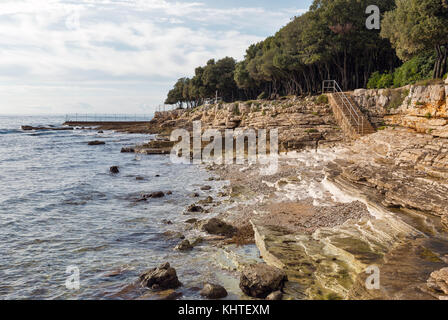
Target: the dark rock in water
pixel 96 143
pixel 101 131
pixel 205 188
pixel 277 295
pixel 173 235
pixel 167 221
pixel 162 277
pixel 218 227
pixel 191 221
pixel 207 200
pixel 195 209
pixel 185 245
pixel 213 291
pixel 139 178
pixel 195 195
pixel 260 280
pixel 157 175
pixel 114 169
pixel 157 194
pixel 153 195
pixel 169 192
pixel 127 150
pixel 170 295
pixel 29 128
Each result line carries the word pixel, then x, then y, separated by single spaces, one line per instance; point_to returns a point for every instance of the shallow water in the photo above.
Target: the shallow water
pixel 60 207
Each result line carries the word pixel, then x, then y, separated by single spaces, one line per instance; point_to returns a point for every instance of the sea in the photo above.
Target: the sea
pixel 64 217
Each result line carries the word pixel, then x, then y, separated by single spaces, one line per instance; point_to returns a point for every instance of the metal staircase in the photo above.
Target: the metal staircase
pixel 347 114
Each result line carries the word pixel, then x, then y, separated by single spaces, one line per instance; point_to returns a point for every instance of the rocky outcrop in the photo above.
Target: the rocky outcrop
pixel 213 291
pixel 162 277
pixel 260 280
pixel 422 108
pixel 438 281
pixel 218 227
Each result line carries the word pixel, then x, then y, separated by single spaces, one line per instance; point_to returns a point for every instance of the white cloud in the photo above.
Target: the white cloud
pixel 50 48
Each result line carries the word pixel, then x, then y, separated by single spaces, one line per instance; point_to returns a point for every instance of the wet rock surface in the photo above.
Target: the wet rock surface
pixel 114 169
pixel 218 227
pixel 260 280
pixel 162 277
pixel 213 291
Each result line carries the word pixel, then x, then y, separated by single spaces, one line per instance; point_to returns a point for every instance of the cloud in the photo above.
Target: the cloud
pixel 58 45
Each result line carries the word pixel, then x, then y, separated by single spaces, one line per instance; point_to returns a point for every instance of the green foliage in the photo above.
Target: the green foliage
pixel 322 99
pixel 373 80
pixel 416 69
pixel 417 25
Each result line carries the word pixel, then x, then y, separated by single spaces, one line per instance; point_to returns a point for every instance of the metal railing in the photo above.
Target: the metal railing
pixel 333 87
pixel 78 117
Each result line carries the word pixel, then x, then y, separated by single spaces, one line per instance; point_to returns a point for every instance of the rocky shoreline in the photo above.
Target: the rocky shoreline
pixel 335 207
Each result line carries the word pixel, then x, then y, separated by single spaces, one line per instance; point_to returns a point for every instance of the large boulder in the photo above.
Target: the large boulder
pixel 162 277
pixel 218 227
pixel 438 281
pixel 213 291
pixel 260 280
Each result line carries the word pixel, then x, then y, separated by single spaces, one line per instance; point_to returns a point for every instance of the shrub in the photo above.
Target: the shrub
pixel 322 99
pixel 373 80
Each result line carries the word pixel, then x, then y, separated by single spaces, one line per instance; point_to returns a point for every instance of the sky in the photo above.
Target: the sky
pixel 120 56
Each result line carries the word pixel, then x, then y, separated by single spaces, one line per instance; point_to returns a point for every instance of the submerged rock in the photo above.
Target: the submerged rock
pixel 206 188
pixel 162 277
pixel 195 209
pixel 185 245
pixel 260 280
pixel 213 291
pixel 114 169
pixel 96 143
pixel 127 150
pixel 218 227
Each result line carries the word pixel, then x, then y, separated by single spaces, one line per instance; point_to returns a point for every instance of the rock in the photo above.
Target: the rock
pixel 260 280
pixel 154 195
pixel 96 143
pixel 169 192
pixel 207 200
pixel 195 209
pixel 173 235
pixel 127 150
pixel 167 221
pixel 101 131
pixel 162 277
pixel 185 245
pixel 29 128
pixel 194 195
pixel 438 281
pixel 213 291
pixel 277 295
pixel 218 227
pixel 139 178
pixel 206 188
pixel 190 221
pixel 114 169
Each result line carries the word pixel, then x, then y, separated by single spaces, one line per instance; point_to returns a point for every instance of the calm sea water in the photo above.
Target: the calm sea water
pixel 60 207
